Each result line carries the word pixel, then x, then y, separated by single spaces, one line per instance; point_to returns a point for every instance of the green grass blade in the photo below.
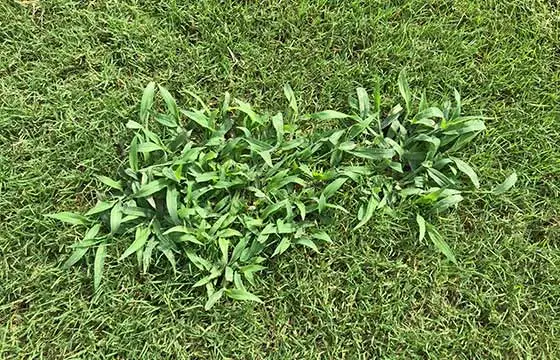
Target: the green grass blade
pixel 307 243
pixel 171 203
pixel 372 204
pixel 467 170
pixel 169 102
pixel 404 89
pixel 140 239
pixel 70 217
pixel 243 295
pixel 508 183
pixel 116 218
pixel 100 207
pixel 110 182
pixel 147 102
pixel 213 299
pixel 363 101
pixel 151 188
pixel 421 227
pixel 440 244
pixel 98 264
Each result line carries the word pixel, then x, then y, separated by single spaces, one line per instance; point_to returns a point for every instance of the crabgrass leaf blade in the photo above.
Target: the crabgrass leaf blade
pixel 169 102
pixel 147 147
pixel 467 170
pixel 147 255
pixel 133 154
pixel 404 89
pixel 363 101
pixel 333 187
pixel 278 123
pixel 328 115
pixel 98 264
pixel 100 207
pixel 140 239
pixel 307 243
pixel 265 155
pixel 116 218
pixel 243 295
pixel 440 244
pixel 171 203
pixel 323 236
pixel 151 188
pixel 70 217
pixel 282 246
pixel 76 256
pixel 289 93
pixel 508 183
pixel 421 227
pixel 372 204
pixel 79 252
pixel 213 299
pixel 110 182
pixel 199 118
pixel 147 101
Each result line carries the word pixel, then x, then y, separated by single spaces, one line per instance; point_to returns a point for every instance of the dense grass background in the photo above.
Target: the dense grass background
pixel 71 74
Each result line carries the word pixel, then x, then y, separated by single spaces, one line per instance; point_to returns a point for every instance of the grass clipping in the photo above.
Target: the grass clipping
pixel 227 189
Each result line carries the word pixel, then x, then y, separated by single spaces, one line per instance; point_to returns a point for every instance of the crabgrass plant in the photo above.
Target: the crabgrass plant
pixel 224 190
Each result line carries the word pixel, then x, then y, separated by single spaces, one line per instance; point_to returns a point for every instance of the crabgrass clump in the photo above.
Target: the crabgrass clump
pixel 226 189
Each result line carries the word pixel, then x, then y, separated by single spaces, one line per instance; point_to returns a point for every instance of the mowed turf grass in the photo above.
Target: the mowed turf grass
pixel 71 76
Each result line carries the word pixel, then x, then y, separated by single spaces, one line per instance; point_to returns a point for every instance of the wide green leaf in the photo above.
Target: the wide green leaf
pixel 440 243
pixel 140 239
pixel 147 101
pixel 508 183
pixel 151 188
pixel 110 182
pixel 467 170
pixel 98 265
pixel 70 217
pixel 243 295
pixel 213 299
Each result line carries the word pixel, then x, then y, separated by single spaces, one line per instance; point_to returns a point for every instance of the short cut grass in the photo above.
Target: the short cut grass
pixel 72 73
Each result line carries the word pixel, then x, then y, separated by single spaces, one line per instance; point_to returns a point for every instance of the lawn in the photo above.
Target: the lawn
pixel 72 74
